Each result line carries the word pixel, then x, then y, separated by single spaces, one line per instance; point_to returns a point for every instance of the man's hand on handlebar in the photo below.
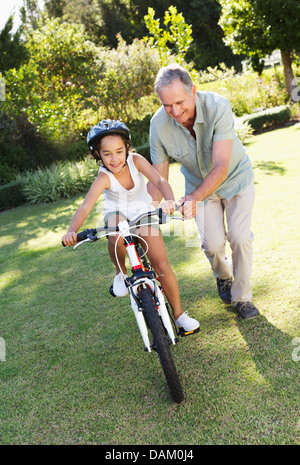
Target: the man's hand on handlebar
pixel 188 206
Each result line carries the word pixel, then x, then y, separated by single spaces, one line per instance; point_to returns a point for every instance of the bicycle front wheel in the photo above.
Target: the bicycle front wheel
pixel 161 345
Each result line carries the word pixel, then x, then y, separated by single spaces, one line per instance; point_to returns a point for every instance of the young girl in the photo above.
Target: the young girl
pixel 121 178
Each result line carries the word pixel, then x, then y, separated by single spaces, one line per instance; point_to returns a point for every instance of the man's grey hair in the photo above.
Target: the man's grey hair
pixel 168 74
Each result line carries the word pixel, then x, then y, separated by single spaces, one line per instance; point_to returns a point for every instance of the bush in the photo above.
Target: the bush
pixel 59 181
pixel 125 86
pixel 139 130
pixel 249 92
pixel 7 173
pixel 270 116
pixel 243 129
pixel 11 195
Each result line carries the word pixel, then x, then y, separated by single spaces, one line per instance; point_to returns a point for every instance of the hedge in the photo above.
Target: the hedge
pixel 11 195
pixel 270 115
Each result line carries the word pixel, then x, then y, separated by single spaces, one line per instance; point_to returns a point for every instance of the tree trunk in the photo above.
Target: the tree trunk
pixel 290 80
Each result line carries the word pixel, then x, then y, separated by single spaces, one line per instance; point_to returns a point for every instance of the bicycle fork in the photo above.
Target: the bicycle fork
pixel 161 307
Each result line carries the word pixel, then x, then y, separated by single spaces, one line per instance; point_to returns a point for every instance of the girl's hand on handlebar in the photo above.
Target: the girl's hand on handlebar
pixel 168 207
pixel 70 239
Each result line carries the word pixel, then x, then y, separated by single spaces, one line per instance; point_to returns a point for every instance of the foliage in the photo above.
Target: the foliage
pixel 11 195
pixel 249 92
pixel 207 48
pixel 66 85
pixel 58 181
pixel 271 116
pixel 126 80
pixel 177 34
pixel 105 19
pixel 217 73
pixel 12 49
pixel 243 130
pixel 45 95
pixel 139 130
pixel 257 28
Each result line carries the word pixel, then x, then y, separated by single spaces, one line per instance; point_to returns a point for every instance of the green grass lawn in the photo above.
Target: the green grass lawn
pixel 75 371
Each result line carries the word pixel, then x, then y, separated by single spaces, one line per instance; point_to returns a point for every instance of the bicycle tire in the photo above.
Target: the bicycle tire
pixel 161 345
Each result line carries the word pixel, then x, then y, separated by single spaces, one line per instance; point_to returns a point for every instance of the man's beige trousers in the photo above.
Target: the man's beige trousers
pixel 233 215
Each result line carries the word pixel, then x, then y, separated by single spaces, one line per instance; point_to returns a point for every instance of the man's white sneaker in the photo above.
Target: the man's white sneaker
pixel 119 287
pixel 187 323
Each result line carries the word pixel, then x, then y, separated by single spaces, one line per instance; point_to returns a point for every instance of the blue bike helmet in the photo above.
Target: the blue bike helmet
pixel 104 128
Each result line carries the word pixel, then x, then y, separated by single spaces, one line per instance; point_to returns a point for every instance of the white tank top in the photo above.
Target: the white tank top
pixel 132 202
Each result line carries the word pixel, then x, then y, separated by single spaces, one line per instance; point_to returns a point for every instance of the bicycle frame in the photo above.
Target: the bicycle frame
pixel 140 277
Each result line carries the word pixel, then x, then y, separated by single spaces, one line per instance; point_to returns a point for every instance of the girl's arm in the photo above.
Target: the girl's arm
pixel 157 180
pixel 101 182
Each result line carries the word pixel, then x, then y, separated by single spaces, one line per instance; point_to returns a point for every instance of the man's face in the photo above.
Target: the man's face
pixel 179 104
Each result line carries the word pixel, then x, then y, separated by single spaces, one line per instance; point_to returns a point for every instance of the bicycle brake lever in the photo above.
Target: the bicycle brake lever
pixel 81 242
pixel 90 238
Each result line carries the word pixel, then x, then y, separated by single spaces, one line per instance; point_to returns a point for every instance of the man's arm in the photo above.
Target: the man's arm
pixel 163 170
pixel 221 153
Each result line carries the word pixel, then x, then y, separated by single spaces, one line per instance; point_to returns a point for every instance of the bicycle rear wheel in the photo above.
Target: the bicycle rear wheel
pixel 161 345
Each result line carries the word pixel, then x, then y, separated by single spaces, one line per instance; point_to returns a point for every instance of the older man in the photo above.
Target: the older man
pixel 197 130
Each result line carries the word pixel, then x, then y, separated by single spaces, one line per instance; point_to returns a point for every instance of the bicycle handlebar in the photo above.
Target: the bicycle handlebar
pixel 92 233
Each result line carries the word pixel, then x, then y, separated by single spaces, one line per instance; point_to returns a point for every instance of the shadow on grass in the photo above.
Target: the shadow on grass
pixel 272 352
pixel 270 167
pixel 271 349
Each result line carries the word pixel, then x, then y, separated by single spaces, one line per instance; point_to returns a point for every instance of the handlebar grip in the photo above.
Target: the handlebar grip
pixel 82 235
pixel 162 216
pixel 160 213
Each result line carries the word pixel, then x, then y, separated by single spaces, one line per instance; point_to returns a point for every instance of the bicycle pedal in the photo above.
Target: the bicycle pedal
pixel 184 333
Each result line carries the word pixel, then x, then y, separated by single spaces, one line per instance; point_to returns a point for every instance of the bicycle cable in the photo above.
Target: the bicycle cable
pixel 134 235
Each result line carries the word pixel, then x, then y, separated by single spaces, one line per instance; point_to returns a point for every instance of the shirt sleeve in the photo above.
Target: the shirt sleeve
pixel 158 152
pixel 224 123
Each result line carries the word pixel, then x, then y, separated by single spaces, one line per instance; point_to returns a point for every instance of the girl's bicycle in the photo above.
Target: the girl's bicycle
pixel 147 300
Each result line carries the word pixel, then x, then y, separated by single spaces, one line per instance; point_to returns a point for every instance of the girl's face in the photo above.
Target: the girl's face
pixel 113 152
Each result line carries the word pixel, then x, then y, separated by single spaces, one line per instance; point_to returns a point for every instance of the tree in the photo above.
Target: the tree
pixel 31 12
pixel 125 85
pixel 258 27
pixel 207 48
pixel 12 50
pixel 177 34
pixel 45 95
pixel 105 19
